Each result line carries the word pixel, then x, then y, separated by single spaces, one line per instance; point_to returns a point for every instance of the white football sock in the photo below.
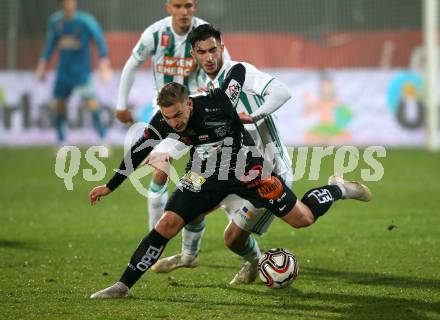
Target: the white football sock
pixel 191 240
pixel 157 199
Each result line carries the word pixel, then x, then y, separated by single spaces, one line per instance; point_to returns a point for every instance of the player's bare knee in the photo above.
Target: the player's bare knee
pixel 169 224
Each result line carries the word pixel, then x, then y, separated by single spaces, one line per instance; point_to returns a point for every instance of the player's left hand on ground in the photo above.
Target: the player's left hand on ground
pixel 98 192
pixel 245 118
pixel 104 70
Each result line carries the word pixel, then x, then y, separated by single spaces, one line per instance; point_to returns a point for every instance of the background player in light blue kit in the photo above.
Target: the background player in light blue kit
pixel 70 31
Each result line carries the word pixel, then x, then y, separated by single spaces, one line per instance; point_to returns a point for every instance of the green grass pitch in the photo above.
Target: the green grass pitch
pixel 378 260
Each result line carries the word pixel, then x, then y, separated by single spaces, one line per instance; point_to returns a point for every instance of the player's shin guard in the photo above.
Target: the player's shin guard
pixel 157 199
pixel 191 240
pixel 319 200
pixel 251 252
pixel 146 254
pixel 97 123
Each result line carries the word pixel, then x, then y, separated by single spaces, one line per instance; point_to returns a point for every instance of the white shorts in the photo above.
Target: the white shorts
pixel 246 216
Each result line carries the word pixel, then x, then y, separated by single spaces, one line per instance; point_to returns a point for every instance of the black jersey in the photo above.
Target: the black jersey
pixel 220 145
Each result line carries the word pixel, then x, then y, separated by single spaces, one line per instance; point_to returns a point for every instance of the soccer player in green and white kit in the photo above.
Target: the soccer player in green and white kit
pixel 165 41
pixel 262 94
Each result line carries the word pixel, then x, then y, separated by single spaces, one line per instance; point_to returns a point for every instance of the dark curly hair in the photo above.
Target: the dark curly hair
pixel 203 32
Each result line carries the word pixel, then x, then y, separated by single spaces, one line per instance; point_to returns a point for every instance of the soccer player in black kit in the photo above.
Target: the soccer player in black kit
pixel 223 161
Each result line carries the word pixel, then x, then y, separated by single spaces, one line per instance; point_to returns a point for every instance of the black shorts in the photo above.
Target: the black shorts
pixel 196 195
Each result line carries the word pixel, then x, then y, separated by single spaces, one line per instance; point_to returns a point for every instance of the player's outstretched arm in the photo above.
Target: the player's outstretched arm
pixel 49 48
pixel 275 95
pixel 97 34
pixel 138 152
pixel 145 48
pixel 104 68
pixel 127 79
pixel 130 162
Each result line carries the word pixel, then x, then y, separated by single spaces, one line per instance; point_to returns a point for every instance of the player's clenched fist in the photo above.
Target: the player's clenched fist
pixel 124 116
pixel 98 192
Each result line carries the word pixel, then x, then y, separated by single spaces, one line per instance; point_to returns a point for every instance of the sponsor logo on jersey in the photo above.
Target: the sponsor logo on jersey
pixel 207 150
pixel 165 40
pixel 204 138
pixel 69 42
pixel 222 131
pixel 215 123
pixel 212 109
pixel 233 91
pixel 192 182
pixel 180 67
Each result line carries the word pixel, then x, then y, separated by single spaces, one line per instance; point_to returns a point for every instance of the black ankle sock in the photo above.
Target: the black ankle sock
pixel 146 254
pixel 319 200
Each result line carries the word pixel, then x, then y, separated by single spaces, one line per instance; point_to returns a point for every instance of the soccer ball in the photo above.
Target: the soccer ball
pixel 278 268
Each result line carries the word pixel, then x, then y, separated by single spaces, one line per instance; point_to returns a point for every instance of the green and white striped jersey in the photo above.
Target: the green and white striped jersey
pixel 170 55
pixel 264 131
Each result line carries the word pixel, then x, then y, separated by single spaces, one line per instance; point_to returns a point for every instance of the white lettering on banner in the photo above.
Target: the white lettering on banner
pixel 361 116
